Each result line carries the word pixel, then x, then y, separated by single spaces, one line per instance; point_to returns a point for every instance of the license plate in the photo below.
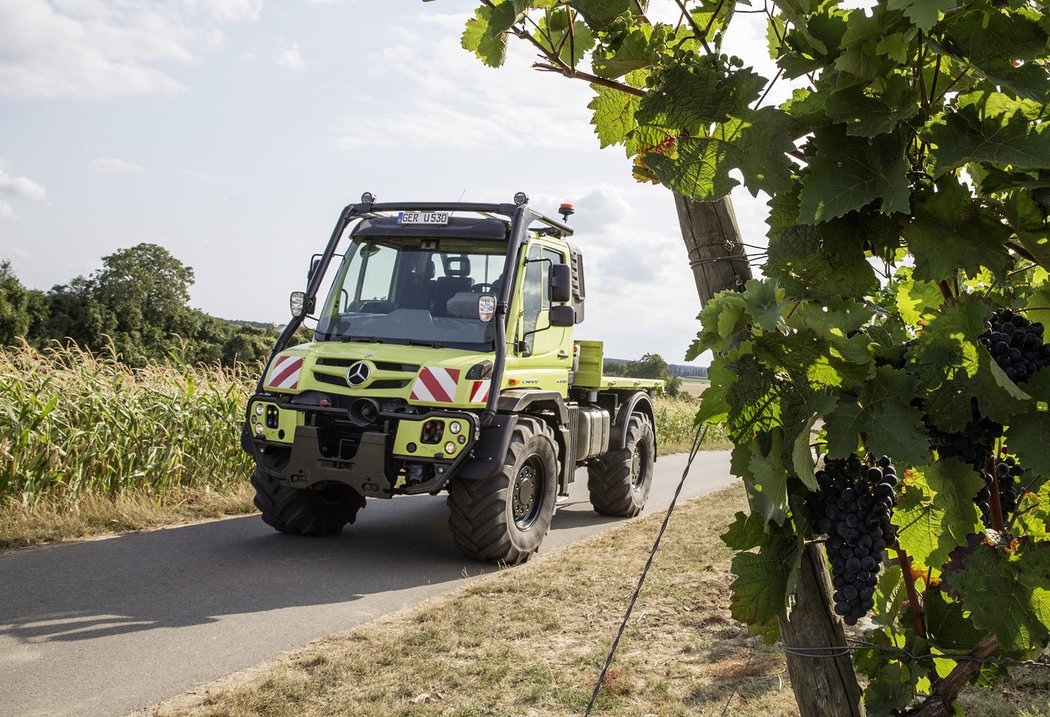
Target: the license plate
pixel 422 217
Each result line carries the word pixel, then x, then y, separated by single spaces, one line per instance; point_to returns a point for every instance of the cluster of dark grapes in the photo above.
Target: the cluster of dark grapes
pixel 973 445
pixel 1007 472
pixel 1016 344
pixel 853 506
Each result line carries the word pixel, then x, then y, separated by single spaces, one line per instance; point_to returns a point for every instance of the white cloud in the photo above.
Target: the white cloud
pixel 290 57
pixel 89 48
pixel 6 212
pixel 436 94
pixel 22 187
pixel 112 165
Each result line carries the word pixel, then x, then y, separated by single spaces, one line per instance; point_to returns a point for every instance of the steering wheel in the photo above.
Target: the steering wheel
pixel 481 288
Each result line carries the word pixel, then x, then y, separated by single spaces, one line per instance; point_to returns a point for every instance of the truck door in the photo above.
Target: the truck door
pixel 546 349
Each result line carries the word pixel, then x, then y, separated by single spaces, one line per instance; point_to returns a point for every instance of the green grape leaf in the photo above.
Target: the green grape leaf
pixel 630 53
pixel 600 13
pixel 950 231
pixel 802 454
pixel 724 317
pixel 613 117
pixel 765 303
pixel 1033 513
pixel 924 14
pixel 764 584
pixel 691 97
pixel 767 489
pixel 1039 305
pixel 889 691
pixel 1027 437
pixel 834 318
pixel 896 46
pixel 848 173
pixel 756 146
pixel 946 626
pixel 746 532
pixel 868 115
pixel 485 34
pixel 883 412
pixel 990 42
pixel 999 133
pixel 936 511
pixel 1007 592
pixel 916 299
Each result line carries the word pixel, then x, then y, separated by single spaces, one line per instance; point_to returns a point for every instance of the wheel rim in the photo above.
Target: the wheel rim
pixel 639 461
pixel 528 493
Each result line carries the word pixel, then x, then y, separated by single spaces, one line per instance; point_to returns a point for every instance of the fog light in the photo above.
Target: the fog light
pixel 454 427
pixel 258 429
pixel 450 447
pixel 258 409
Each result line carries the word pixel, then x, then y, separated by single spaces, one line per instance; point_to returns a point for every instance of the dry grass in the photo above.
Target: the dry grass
pixel 531 641
pixel 53 520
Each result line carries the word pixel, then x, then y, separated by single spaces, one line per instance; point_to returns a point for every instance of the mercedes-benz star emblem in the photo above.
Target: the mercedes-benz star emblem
pixel 358 373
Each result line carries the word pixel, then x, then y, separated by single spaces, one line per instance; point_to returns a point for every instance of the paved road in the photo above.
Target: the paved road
pixel 105 627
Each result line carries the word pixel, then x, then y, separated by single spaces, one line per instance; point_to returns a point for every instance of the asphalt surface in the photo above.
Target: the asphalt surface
pixel 107 627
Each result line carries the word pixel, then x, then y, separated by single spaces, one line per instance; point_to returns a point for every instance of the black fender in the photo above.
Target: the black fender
pixel 639 401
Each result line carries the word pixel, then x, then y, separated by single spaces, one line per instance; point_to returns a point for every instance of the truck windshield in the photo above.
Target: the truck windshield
pixel 413 292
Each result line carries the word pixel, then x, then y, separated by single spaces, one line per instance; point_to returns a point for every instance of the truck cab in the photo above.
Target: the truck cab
pixel 444 358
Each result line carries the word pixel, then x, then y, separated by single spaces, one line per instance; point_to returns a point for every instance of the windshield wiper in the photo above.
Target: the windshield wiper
pixel 423 342
pixel 363 339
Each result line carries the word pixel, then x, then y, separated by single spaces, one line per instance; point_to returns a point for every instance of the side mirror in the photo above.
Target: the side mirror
pixel 299 304
pixel 561 282
pixel 486 307
pixel 562 316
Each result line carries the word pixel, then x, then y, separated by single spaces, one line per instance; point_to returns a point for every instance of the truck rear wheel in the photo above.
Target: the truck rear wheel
pixel 619 481
pixel 305 511
pixel 504 518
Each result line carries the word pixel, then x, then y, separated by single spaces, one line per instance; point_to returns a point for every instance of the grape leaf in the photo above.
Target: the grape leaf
pixel 1039 306
pixel 889 691
pixel 924 14
pixel 1033 516
pixel 936 511
pixel 764 585
pixel 915 298
pixel 691 97
pixel 765 303
pixel 802 454
pixel 613 117
pixel 867 115
pixel 1007 592
pixel 883 412
pixel 950 231
pixel 629 53
pixel 485 34
pixel 946 626
pixel 999 133
pixel 600 13
pixel 767 489
pixel 1027 437
pixel 746 532
pixel 849 172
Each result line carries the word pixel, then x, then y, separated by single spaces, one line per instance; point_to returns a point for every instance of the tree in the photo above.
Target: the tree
pixel 654 366
pixel 910 182
pixel 21 309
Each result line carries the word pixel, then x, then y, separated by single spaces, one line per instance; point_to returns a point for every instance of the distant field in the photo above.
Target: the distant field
pixel 694 386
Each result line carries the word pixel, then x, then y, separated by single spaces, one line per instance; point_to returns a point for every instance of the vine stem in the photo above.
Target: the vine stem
pixel 913 596
pixel 941 702
pixel 946 292
pixel 1018 249
pixel 995 508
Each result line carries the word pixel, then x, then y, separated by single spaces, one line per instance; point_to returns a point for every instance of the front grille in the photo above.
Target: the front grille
pixel 382 384
pixel 380 365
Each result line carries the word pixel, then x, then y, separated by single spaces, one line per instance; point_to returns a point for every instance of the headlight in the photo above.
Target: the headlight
pixel 450 447
pixel 258 409
pixel 455 427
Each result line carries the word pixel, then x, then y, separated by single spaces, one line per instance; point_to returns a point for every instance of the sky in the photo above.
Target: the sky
pixel 232 132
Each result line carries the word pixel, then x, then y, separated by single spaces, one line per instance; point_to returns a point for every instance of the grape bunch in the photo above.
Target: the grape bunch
pixel 1016 344
pixel 853 506
pixel 1007 472
pixel 973 445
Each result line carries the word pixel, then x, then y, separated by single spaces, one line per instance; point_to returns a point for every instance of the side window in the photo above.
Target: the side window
pixel 377 271
pixel 534 299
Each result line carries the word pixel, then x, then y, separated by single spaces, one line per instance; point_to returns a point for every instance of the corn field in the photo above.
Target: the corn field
pixel 72 422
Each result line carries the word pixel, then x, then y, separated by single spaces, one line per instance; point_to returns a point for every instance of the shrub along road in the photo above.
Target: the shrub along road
pixel 109 626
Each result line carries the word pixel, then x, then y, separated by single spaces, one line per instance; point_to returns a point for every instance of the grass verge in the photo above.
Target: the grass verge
pixel 531 641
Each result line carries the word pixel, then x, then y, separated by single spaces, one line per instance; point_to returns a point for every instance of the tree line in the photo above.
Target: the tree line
pixel 136 305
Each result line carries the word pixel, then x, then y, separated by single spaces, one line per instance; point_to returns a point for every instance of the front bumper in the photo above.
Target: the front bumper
pixel 399 453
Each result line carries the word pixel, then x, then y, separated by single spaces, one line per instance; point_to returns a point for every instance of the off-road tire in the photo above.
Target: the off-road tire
pixel 486 521
pixel 619 481
pixel 305 511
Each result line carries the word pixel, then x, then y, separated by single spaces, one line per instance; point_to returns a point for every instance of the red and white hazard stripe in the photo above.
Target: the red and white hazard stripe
pixel 285 372
pixel 479 393
pixel 436 385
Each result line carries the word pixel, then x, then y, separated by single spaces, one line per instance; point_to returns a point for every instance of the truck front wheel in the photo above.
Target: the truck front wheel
pixel 305 511
pixel 504 518
pixel 619 481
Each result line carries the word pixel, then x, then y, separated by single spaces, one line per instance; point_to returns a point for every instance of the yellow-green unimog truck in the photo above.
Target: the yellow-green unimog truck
pixel 444 359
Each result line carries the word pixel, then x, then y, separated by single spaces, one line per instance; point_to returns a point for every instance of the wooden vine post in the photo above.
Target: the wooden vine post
pixel 824 682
